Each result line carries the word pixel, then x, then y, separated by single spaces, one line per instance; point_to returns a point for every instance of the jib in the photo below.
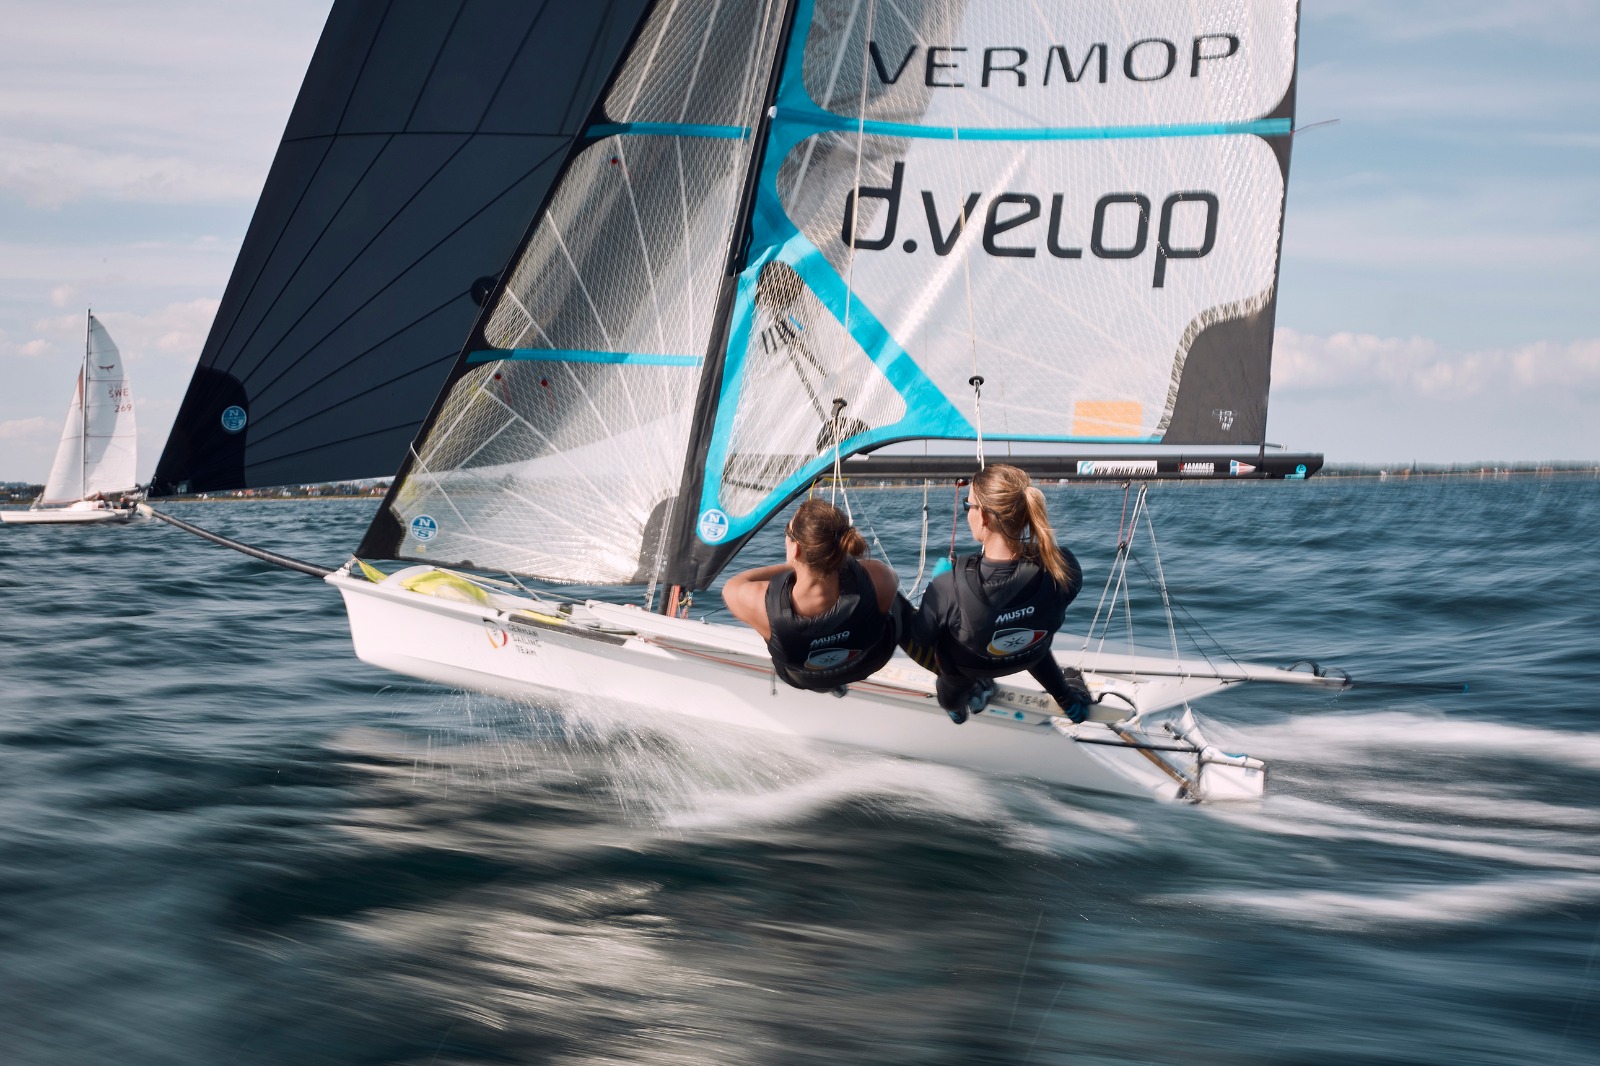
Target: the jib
pixel 1010 211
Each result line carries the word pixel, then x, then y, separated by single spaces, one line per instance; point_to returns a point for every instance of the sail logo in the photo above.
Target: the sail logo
pixel 1012 641
pixel 713 526
pixel 951 66
pixel 1010 229
pixel 1224 419
pixel 424 528
pixel 830 658
pixel 234 418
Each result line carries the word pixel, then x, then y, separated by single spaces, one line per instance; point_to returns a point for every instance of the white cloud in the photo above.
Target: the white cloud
pixel 1417 366
pixel 49 175
pixel 31 429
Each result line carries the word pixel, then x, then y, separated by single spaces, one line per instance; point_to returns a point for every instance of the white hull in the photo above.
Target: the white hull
pixel 622 657
pixel 67 516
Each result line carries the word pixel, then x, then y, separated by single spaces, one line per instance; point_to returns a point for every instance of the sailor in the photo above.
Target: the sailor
pixel 829 615
pixel 995 612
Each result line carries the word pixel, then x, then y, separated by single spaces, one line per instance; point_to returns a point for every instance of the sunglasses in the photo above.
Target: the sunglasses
pixel 968 505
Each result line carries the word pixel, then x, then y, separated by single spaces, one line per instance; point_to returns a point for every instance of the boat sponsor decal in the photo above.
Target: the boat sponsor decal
pixel 424 528
pixel 713 525
pixel 1012 641
pixel 1202 469
pixel 1103 468
pixel 498 638
pixel 234 418
pixel 1224 419
pixel 1235 468
pixel 524 637
pixel 830 658
pixel 1298 475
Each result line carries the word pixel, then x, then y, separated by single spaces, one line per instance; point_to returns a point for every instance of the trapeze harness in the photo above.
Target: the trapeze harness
pixel 1006 629
pixel 849 641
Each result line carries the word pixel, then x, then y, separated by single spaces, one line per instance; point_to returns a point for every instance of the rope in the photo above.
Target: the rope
pixel 976 381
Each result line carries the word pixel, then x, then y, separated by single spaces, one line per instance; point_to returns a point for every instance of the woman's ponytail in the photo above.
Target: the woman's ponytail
pixel 1018 509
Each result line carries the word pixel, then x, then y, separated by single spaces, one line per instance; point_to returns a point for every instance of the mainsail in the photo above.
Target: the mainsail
pixel 424 138
pixel 97 453
pixel 557 450
pixel 966 219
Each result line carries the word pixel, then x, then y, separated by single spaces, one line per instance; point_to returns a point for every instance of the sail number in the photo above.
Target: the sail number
pixel 1008 230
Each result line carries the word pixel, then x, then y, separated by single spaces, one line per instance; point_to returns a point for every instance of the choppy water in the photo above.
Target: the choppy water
pixel 225 840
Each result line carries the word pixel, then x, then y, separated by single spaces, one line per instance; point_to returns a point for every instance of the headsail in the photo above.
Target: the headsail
pixel 97 453
pixel 424 138
pixel 1080 204
pixel 557 451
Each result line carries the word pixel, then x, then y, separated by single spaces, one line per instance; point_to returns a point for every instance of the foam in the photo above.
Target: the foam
pixel 1465 904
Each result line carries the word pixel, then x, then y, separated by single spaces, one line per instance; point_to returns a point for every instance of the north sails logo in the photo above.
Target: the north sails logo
pixel 1013 615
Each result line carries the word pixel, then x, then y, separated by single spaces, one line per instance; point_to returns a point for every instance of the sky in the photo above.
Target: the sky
pixel 1439 299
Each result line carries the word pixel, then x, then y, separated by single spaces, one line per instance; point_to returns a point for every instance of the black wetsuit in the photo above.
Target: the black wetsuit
pixel 849 641
pixel 984 620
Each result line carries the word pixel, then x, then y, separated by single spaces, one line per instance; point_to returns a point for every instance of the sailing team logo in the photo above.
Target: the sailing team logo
pixel 830 658
pixel 713 525
pixel 234 418
pixel 1011 641
pixel 424 528
pixel 1235 467
pixel 498 638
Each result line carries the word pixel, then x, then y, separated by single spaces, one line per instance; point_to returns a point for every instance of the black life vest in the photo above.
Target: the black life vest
pixel 1006 628
pixel 849 641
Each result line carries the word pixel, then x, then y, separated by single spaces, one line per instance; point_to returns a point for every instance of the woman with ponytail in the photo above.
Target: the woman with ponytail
pixel 827 614
pixel 995 612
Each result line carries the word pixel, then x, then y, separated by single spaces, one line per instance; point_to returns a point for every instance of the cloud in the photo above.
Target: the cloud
pixel 49 175
pixel 35 429
pixel 1361 362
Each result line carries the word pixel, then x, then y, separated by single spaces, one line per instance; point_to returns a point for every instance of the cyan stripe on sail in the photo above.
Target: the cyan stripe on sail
pixel 669 129
pixel 1265 127
pixel 572 355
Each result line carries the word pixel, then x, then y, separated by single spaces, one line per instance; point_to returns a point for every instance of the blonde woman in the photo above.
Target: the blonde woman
pixel 995 612
pixel 828 615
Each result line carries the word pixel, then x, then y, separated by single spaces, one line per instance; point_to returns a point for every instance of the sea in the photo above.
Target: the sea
pixel 224 839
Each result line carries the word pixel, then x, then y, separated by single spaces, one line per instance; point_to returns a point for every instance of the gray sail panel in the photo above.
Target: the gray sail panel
pixel 424 138
pixel 557 449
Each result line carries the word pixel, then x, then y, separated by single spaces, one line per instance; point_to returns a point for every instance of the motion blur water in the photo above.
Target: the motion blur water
pixel 224 839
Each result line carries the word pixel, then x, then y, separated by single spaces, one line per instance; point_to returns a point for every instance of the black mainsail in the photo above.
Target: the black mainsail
pixel 425 137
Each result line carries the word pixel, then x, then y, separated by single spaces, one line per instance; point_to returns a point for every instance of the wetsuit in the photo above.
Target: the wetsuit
pixel 849 641
pixel 982 620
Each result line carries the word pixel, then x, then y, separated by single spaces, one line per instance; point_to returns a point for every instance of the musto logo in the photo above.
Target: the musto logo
pixel 1012 641
pixel 1014 224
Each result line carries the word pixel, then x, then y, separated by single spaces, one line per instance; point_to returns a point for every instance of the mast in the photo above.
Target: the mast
pixel 83 408
pixel 687 511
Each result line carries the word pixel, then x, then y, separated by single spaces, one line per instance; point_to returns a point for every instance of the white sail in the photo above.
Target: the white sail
pixel 97 453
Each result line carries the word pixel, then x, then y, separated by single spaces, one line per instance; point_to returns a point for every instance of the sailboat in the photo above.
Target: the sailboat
pixel 790 233
pixel 94 468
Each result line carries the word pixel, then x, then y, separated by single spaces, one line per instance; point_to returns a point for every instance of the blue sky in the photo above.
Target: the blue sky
pixel 1439 297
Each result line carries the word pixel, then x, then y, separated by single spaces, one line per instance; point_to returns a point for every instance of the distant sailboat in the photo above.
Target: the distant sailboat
pixel 96 459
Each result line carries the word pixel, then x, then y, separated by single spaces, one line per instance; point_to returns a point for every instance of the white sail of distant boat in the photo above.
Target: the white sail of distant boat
pixel 96 459
pixel 792 232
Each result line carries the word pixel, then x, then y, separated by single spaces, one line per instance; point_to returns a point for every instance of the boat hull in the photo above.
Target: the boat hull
pixel 66 516
pixel 490 649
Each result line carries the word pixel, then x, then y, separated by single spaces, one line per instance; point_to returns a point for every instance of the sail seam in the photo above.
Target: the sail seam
pixel 822 120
